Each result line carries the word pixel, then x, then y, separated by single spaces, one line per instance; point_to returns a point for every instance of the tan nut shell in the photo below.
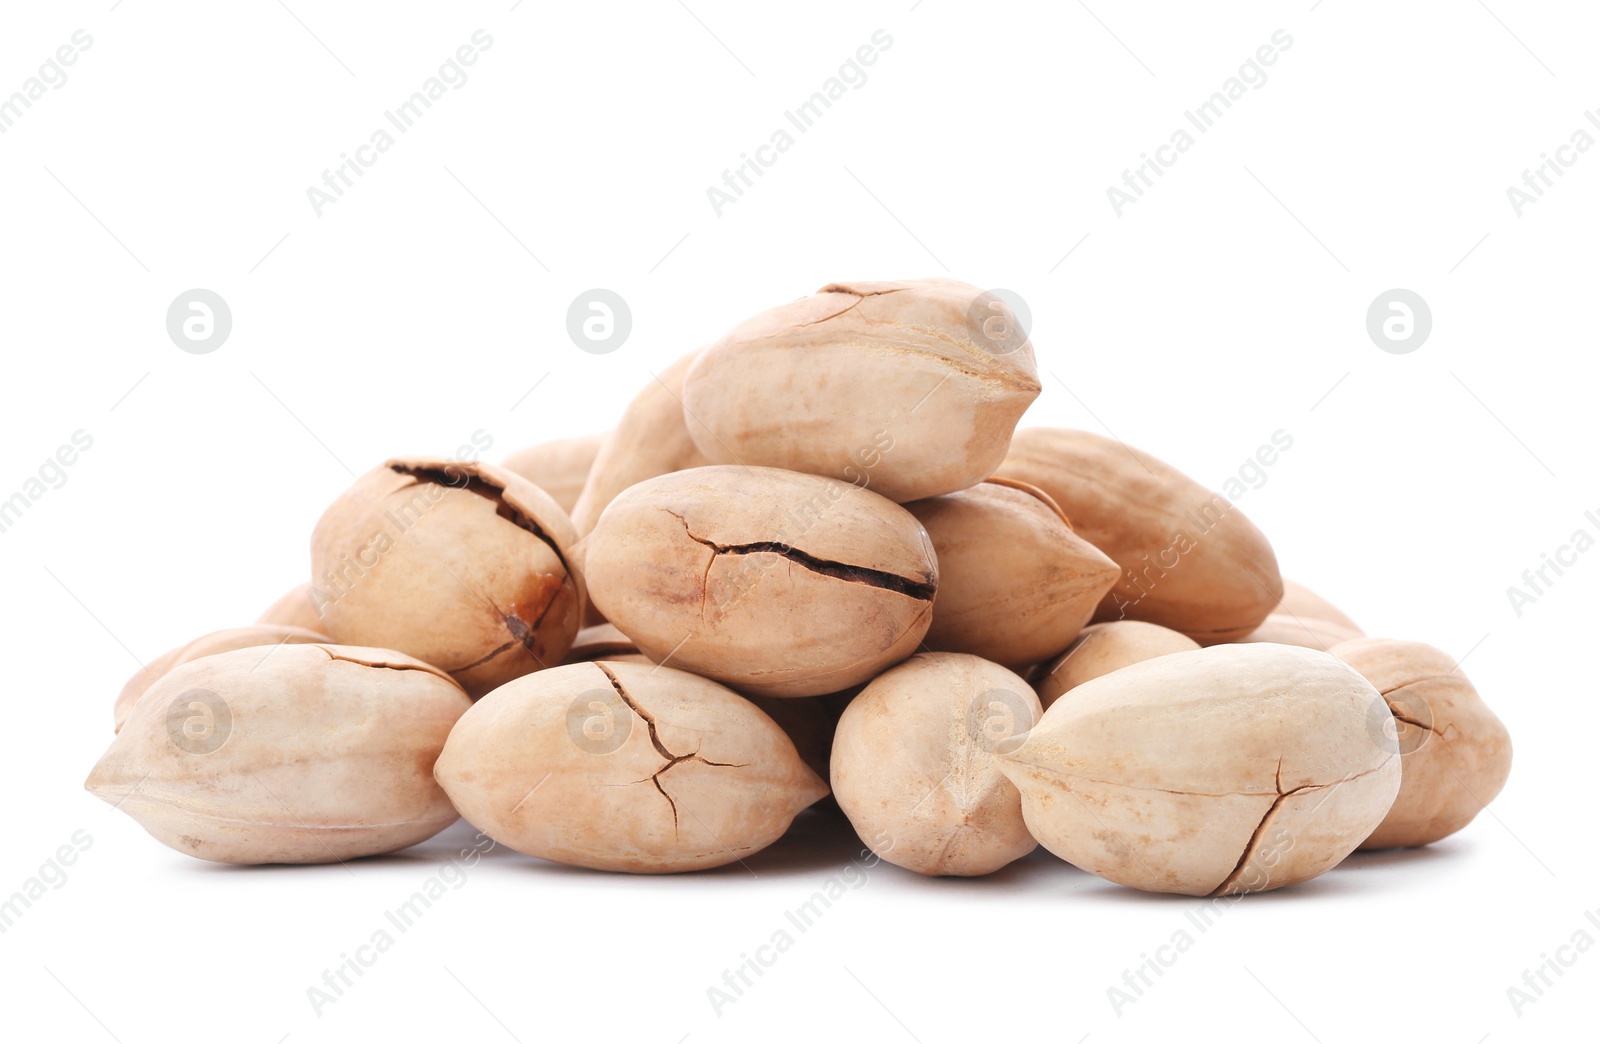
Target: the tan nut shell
pixel 1016 584
pixel 1308 632
pixel 620 766
pixel 1106 647
pixel 465 566
pixel 604 642
pixel 560 467
pixel 1299 600
pixel 293 608
pixel 1191 561
pixel 1455 753
pixel 891 384
pixel 777 583
pixel 1303 617
pixel 208 645
pixel 914 765
pixel 651 439
pixel 326 754
pixel 1237 768
pixel 809 723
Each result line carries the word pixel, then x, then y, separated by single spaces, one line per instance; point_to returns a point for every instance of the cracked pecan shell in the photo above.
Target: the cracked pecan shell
pixel 208 645
pixel 911 387
pixel 560 467
pixel 623 766
pixel 1232 769
pixel 777 583
pixel 465 566
pixel 1455 753
pixel 300 754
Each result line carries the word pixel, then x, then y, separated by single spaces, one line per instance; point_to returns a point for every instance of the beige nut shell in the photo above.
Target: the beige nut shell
pixel 1106 647
pixel 1190 560
pixel 208 645
pixel 1016 584
pixel 465 566
pixel 628 767
pixel 651 439
pixel 1455 753
pixel 1231 769
pixel 317 754
pixel 776 583
pixel 293 608
pixel 914 765
pixel 893 384
pixel 560 467
pixel 1303 617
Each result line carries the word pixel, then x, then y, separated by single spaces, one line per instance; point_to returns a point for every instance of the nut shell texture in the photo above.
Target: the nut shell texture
pixel 914 764
pixel 651 439
pixel 315 754
pixel 777 583
pixel 1233 769
pixel 1455 753
pixel 1106 647
pixel 1016 584
pixel 465 566
pixel 898 385
pixel 621 766
pixel 560 467
pixel 1190 560
pixel 209 645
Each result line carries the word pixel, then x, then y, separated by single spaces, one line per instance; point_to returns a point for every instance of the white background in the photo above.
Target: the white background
pixel 1226 304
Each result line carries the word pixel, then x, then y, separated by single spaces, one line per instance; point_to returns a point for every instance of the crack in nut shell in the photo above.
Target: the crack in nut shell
pixel 1455 753
pixel 1229 769
pixel 678 773
pixel 464 565
pixel 560 467
pixel 208 645
pixel 893 385
pixel 778 583
pixel 312 754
